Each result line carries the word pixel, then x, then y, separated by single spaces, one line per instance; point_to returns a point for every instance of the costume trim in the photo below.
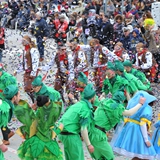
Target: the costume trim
pixel 132 155
pixel 143 121
pixel 126 120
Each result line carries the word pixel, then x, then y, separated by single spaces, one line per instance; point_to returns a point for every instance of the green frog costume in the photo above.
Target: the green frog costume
pixel 75 119
pixel 134 83
pixel 140 75
pixel 4 116
pixel 6 79
pixel 117 83
pixel 38 131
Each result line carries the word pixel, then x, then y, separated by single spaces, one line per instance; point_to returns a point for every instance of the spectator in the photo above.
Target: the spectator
pixel 126 37
pixel 2 47
pixel 152 38
pixel 110 7
pixel 41 33
pixel 107 32
pixel 85 27
pixel 117 11
pixel 61 26
pixel 127 6
pixel 15 8
pixel 135 39
pixel 118 27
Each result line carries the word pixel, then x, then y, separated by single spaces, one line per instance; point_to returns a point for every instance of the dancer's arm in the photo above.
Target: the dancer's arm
pixel 128 96
pixel 133 110
pixel 145 134
pixel 84 133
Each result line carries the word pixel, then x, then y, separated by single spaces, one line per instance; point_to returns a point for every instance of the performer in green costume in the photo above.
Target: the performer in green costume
pixel 106 116
pixel 82 82
pixel 4 116
pixel 41 89
pixel 114 83
pixel 11 96
pixel 78 118
pixel 135 83
pixel 39 130
pixel 5 80
pixel 140 75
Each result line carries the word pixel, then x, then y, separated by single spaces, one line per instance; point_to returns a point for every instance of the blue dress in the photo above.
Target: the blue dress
pixel 155 138
pixel 130 141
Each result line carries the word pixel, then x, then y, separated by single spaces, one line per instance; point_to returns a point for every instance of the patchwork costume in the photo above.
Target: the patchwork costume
pixel 65 70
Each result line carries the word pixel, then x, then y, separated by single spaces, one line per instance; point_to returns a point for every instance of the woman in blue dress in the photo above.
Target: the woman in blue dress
pixel 134 141
pixel 156 139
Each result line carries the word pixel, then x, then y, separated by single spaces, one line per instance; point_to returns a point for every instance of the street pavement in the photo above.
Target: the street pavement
pixel 12 57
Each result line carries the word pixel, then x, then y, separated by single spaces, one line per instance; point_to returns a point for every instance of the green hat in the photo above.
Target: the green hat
pixel 119 66
pixel 89 91
pixel 119 96
pixel 37 81
pixel 111 66
pixel 127 63
pixel 10 91
pixel 82 78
